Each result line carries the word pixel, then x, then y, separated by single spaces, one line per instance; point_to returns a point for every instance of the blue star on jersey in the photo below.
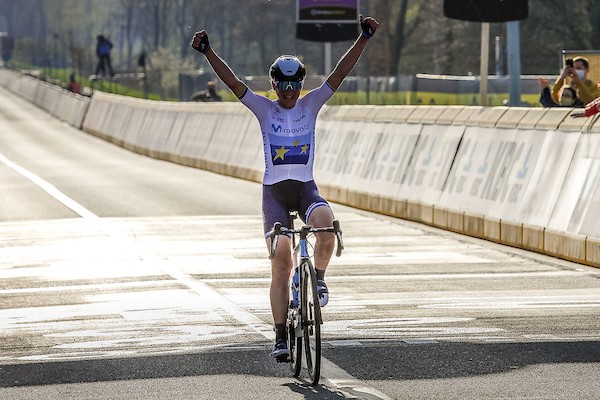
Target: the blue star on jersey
pixel 290 150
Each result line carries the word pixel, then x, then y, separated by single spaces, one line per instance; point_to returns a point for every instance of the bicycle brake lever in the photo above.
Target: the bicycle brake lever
pixel 338 235
pixel 274 235
pixel 274 240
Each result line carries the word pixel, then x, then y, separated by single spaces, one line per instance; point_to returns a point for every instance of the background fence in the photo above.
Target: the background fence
pixel 390 90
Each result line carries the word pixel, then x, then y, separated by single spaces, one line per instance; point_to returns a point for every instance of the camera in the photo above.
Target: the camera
pixel 569 62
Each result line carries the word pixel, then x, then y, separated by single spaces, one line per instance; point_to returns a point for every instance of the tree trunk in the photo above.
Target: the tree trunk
pixel 398 44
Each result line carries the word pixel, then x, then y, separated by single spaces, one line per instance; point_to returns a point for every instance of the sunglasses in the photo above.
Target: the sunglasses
pixel 285 85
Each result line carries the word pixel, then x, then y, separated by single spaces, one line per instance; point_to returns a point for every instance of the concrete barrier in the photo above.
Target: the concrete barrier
pixel 577 207
pixel 220 137
pixel 528 178
pixel 68 107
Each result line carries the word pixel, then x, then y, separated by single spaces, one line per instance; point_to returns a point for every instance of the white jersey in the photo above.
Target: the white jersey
pixel 288 134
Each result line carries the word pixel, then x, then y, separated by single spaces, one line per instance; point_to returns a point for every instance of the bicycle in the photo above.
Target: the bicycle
pixel 304 313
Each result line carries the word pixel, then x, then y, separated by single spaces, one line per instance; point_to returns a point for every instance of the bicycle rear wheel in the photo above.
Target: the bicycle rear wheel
pixel 311 321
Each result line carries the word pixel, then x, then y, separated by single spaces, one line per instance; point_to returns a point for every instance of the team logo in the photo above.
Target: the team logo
pixel 290 150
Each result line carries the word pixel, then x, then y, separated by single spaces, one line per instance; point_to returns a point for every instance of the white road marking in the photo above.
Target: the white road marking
pixel 419 327
pixel 101 286
pixel 49 188
pixel 429 277
pixel 421 341
pixel 330 371
pixel 502 304
pixel 345 343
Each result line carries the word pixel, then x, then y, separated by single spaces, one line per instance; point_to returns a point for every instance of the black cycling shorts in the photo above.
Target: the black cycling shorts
pixel 289 195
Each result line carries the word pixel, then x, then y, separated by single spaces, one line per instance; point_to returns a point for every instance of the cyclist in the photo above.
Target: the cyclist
pixel 288 129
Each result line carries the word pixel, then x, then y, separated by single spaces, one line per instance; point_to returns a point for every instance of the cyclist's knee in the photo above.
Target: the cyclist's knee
pixel 321 217
pixel 326 240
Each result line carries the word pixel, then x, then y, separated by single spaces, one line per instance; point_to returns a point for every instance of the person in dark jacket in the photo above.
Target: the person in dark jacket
pixel 210 94
pixel 567 96
pixel 103 48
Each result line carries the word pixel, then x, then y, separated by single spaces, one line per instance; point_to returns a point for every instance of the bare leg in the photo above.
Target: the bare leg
pixel 322 217
pixel 281 268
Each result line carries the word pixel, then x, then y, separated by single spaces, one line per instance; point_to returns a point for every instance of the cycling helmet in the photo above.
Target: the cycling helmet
pixel 287 68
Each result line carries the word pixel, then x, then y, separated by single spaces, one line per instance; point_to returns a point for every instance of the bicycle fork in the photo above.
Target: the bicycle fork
pixel 300 250
pixel 295 310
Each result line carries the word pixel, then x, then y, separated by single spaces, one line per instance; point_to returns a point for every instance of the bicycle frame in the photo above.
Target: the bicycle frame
pixel 304 313
pixel 302 249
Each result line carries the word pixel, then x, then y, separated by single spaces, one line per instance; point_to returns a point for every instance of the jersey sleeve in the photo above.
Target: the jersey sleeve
pixel 259 105
pixel 315 99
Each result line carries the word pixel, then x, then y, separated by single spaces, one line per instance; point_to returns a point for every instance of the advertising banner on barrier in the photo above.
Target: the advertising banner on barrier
pixel 477 176
pixel 364 156
pixel 333 143
pixel 430 163
pixel 325 149
pixel 358 154
pixel 578 207
pixel 492 171
pixel 589 221
pixel 393 154
pixel 348 148
pixel 547 177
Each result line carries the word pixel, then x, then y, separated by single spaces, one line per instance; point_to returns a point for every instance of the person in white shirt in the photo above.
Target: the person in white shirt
pixel 288 129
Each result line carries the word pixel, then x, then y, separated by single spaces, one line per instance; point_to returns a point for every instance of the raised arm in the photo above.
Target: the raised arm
pixel 348 61
pixel 200 43
pixel 592 108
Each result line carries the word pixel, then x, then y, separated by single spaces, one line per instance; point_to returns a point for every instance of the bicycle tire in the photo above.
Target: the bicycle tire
pixel 294 345
pixel 311 321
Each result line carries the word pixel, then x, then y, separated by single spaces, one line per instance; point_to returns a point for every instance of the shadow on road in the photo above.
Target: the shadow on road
pixel 232 362
pixel 373 361
pixel 394 361
pixel 316 392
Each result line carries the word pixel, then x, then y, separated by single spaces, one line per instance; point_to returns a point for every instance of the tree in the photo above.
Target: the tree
pixel 128 15
pixel 396 49
pixel 553 25
pixel 414 36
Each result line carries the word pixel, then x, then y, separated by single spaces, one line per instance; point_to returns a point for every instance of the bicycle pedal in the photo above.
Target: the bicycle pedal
pixel 283 359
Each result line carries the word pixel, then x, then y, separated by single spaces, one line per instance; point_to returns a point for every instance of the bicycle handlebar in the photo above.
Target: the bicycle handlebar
pixel 305 230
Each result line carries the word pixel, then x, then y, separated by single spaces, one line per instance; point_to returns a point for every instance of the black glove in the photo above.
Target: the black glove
pixel 367 31
pixel 204 45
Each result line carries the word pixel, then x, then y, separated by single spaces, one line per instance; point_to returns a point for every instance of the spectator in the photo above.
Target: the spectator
pixel 73 85
pixel 210 94
pixel 567 96
pixel 577 70
pixel 103 48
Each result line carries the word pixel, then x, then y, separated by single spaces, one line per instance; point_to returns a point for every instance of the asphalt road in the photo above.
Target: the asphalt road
pixel 123 277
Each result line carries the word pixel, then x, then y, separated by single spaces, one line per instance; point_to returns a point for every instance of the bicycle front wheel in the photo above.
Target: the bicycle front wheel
pixel 294 343
pixel 311 320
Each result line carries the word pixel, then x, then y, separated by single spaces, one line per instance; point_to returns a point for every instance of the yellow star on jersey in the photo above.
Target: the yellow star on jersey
pixel 304 149
pixel 296 143
pixel 280 153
